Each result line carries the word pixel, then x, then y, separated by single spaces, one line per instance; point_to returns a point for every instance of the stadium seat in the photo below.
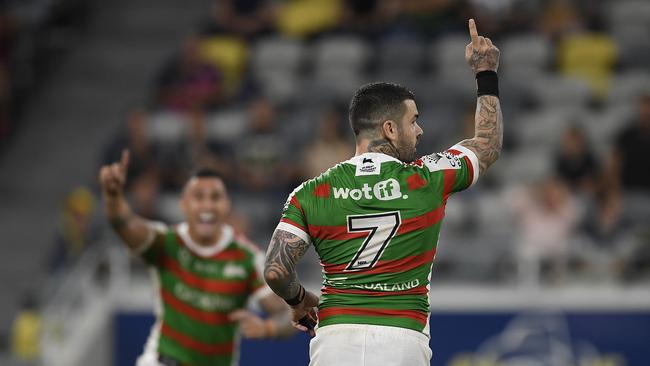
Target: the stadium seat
pixel 628 12
pixel 562 92
pixel 167 128
pixel 339 66
pixel 447 55
pixel 400 57
pixel 226 125
pixel 276 55
pixel 524 55
pixel 627 87
pixel 602 127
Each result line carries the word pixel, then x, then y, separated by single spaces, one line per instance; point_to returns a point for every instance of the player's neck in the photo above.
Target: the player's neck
pixel 382 146
pixel 206 241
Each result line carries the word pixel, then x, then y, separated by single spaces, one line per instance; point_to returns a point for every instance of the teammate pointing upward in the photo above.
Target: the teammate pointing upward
pixel 204 271
pixel 374 221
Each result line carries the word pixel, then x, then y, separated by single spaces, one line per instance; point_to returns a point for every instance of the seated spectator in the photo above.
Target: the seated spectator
pixel 188 82
pixel 369 17
pixel 574 163
pixel 559 17
pixel 328 149
pixel 77 228
pixel 548 216
pixel 26 331
pixel 605 224
pixel 261 156
pixel 630 163
pixel 304 18
pixel 246 18
pixel 133 136
pixel 590 56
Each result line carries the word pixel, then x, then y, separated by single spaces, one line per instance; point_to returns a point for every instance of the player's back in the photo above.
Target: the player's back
pixel 374 222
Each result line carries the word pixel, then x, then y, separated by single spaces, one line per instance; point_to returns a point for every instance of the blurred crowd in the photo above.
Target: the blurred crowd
pixel 33 37
pixel 259 92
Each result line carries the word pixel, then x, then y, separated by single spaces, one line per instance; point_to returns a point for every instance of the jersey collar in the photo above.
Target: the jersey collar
pixel 227 234
pixel 377 157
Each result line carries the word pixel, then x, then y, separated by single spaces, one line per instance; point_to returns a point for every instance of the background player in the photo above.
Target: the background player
pixel 205 272
pixel 374 221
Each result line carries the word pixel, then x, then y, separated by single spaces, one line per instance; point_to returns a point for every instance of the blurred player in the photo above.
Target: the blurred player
pixel 374 221
pixel 205 274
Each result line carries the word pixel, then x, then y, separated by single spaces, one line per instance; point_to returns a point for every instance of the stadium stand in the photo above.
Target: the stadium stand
pixel 248 101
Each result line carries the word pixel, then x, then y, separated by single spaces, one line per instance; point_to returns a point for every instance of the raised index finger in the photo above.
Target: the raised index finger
pixel 124 161
pixel 473 33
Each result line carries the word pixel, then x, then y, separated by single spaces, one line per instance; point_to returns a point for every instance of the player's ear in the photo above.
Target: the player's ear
pixel 389 129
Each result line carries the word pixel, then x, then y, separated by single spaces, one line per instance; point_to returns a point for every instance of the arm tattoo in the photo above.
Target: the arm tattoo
pixel 280 268
pixel 488 137
pixel 383 146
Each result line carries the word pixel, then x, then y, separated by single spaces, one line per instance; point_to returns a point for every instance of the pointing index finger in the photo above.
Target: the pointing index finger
pixel 124 161
pixel 473 33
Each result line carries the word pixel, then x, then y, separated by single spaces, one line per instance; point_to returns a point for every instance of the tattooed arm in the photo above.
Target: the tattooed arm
pixel 280 268
pixel 280 274
pixel 482 55
pixel 488 132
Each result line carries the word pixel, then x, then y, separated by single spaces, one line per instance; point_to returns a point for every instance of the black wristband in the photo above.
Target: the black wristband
pixel 487 83
pixel 298 298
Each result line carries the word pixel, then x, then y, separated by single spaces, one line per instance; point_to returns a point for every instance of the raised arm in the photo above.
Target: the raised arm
pixel 285 250
pixel 132 229
pixel 483 58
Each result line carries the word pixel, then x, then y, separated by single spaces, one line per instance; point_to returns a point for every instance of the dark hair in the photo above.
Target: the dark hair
pixel 375 103
pixel 206 173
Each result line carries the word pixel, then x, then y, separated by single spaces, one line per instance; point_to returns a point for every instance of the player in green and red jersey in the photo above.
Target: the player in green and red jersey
pixel 204 273
pixel 374 221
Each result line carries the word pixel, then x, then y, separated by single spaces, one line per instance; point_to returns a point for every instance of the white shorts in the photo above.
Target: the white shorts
pixel 368 345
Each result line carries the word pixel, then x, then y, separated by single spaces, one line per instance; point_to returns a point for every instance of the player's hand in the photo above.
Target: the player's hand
pixel 112 177
pixel 480 53
pixel 251 325
pixel 304 316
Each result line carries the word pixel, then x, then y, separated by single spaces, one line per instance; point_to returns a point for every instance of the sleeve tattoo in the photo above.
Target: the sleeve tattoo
pixel 488 136
pixel 284 252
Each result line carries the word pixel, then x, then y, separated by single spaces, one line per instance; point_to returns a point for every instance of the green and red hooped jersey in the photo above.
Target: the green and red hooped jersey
pixel 374 222
pixel 198 287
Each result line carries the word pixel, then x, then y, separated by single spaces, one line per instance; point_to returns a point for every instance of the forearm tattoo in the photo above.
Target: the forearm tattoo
pixel 488 137
pixel 280 268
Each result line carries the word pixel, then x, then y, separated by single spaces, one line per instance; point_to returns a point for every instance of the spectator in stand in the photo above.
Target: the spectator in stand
pixel 261 157
pixel 605 225
pixel 77 228
pixel 189 82
pixel 328 149
pixel 558 18
pixel 369 17
pixel 246 18
pixel 548 217
pixel 26 332
pixel 575 163
pixel 630 163
pixel 134 137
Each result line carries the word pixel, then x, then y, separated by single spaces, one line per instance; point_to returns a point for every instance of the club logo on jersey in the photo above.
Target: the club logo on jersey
pixel 384 190
pixel 368 167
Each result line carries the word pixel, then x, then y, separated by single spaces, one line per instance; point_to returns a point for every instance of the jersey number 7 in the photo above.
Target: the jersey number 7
pixel 381 228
